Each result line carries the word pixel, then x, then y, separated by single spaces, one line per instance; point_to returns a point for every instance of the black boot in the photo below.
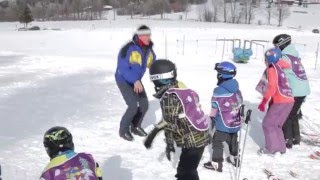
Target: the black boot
pixel 215 166
pixel 127 136
pixel 138 131
pixel 289 143
pixel 235 161
pixel 296 141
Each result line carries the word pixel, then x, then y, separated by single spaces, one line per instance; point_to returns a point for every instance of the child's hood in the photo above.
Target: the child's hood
pixel 229 86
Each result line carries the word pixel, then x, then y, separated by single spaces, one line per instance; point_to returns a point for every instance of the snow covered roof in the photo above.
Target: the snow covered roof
pixel 107 7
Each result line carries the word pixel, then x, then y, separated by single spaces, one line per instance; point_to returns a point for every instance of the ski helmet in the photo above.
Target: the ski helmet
pixel 273 55
pixel 282 41
pixel 163 72
pixel 57 140
pixel 226 70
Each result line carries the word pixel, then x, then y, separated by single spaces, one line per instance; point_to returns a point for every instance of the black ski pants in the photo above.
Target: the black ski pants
pixel 291 128
pixel 217 145
pixel 188 164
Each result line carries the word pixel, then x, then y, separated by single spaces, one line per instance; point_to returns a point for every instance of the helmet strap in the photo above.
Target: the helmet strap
pixel 221 80
pixel 162 89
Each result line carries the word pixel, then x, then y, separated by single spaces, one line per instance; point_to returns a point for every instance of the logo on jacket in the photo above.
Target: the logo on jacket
pixel 189 99
pixel 76 173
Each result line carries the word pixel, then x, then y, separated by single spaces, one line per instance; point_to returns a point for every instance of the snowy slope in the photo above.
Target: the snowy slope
pixel 66 78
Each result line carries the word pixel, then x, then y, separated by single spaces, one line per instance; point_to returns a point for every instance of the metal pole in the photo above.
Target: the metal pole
pixel 177 46
pixel 237 161
pixel 224 43
pixel 248 118
pixel 317 54
pixel 256 52
pixel 241 116
pixel 197 46
pixel 215 52
pixel 183 43
pixel 166 47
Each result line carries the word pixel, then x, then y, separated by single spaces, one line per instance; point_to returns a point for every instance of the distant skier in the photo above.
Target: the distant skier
pixel 275 88
pixel 299 84
pixel 64 162
pixel 226 103
pixel 133 59
pixel 184 123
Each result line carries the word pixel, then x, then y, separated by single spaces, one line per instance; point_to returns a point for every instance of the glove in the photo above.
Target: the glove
pixel 262 106
pixel 169 149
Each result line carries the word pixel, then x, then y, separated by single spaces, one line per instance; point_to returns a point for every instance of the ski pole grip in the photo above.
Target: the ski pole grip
pixel 248 116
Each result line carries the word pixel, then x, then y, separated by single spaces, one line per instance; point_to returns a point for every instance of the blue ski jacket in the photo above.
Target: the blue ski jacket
pixel 133 60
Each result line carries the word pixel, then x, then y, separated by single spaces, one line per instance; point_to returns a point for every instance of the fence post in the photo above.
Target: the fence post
pixel 166 47
pixel 224 43
pixel 317 54
pixel 177 46
pixel 215 52
pixel 256 52
pixel 197 46
pixel 183 43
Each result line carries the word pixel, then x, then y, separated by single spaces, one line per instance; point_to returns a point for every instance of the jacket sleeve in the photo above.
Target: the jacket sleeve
pixel 168 137
pixel 214 105
pixel 272 83
pixel 98 172
pixel 214 109
pixel 154 58
pixel 129 69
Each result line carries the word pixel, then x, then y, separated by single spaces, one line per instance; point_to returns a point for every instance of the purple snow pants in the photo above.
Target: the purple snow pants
pixel 272 126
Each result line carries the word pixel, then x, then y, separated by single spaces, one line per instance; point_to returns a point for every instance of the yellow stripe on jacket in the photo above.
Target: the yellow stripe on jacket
pixel 135 58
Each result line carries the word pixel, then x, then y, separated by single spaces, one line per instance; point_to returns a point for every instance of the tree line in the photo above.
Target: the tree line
pixel 228 11
pixel 244 11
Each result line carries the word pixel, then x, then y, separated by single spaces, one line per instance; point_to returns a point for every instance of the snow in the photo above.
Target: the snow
pixel 65 78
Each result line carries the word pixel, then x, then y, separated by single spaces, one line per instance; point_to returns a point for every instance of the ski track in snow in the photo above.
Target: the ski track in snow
pixel 66 78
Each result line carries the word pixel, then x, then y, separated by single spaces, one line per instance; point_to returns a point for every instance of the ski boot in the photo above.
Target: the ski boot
pixel 215 166
pixel 235 161
pixel 127 136
pixel 138 131
pixel 289 143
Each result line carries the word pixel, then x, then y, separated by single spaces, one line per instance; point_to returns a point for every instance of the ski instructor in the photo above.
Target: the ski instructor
pixel 133 60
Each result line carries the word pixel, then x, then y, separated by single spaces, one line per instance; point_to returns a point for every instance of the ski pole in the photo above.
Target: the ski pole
pixel 248 118
pixel 0 173
pixel 241 117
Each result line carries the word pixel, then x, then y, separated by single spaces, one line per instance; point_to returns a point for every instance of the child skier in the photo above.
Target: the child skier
pixel 299 84
pixel 275 89
pixel 64 162
pixel 226 103
pixel 184 123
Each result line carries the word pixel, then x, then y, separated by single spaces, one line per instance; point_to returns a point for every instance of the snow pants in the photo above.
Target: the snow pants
pixel 291 128
pixel 272 126
pixel 188 164
pixel 217 145
pixel 138 105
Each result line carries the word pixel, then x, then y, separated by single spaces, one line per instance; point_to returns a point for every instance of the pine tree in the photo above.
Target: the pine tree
pixel 26 16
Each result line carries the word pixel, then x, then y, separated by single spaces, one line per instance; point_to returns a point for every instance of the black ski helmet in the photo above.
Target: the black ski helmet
pixel 163 72
pixel 282 41
pixel 57 140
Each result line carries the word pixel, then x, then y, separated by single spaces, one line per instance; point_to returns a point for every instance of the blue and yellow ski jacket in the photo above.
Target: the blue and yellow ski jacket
pixel 133 60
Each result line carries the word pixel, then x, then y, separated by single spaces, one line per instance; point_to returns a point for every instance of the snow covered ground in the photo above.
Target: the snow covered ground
pixel 65 78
